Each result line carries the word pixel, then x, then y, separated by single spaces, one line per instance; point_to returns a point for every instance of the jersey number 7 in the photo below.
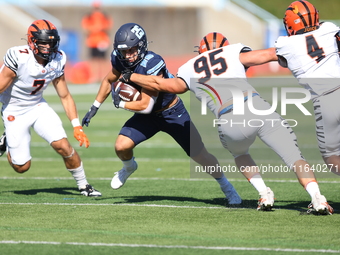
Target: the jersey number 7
pixel 39 84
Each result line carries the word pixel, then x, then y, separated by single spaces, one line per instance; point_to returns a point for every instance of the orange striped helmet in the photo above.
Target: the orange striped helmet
pixel 43 31
pixel 212 41
pixel 301 17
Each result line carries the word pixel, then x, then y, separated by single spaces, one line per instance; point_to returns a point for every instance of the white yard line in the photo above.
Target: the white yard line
pixel 174 246
pixel 158 179
pixel 133 205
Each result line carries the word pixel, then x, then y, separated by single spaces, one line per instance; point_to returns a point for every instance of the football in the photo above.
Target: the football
pixel 127 92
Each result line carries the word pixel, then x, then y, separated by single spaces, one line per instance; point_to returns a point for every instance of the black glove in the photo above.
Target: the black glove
pixel 126 74
pixel 86 120
pixel 115 97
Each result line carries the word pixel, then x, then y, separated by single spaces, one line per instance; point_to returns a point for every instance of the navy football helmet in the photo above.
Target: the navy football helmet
pixel 130 35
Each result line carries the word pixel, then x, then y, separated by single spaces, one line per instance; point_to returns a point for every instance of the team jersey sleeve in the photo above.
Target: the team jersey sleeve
pixel 63 59
pixel 281 50
pixel 11 59
pixel 245 49
pixel 154 64
pixel 184 74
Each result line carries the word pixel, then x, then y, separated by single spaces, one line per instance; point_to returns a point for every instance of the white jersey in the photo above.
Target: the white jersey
pixel 32 78
pixel 236 135
pixel 312 57
pixel 223 63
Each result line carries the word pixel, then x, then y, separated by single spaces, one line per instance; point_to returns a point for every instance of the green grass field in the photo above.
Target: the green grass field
pixel 161 209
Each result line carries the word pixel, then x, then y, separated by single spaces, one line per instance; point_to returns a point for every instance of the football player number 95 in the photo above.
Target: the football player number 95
pixel 204 64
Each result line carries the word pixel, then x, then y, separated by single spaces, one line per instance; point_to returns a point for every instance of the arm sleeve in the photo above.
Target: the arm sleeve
pixel 11 60
pixel 148 109
pixel 337 39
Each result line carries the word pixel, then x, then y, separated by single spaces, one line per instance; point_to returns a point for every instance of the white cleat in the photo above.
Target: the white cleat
pixel 121 176
pixel 266 201
pixel 320 205
pixel 89 191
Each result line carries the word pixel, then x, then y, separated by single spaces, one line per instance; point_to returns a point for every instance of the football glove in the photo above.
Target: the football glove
pixel 126 75
pixel 80 136
pixel 115 97
pixel 86 120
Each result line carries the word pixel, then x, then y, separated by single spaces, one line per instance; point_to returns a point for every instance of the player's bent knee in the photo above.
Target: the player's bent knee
pixel 124 145
pixel 63 148
pixel 22 168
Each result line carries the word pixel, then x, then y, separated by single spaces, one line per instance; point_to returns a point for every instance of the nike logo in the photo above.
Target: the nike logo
pixel 180 115
pixel 127 91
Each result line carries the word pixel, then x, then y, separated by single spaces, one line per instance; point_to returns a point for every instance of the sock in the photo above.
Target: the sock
pixel 129 165
pixel 79 175
pixel 223 181
pixel 312 188
pixel 258 183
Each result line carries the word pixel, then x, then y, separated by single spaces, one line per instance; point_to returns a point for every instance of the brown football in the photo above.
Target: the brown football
pixel 127 92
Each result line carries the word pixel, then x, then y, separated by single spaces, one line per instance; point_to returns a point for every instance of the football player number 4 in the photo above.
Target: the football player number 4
pixel 313 49
pixel 204 64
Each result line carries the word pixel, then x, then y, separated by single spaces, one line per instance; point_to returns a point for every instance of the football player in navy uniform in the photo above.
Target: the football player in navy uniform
pixel 154 112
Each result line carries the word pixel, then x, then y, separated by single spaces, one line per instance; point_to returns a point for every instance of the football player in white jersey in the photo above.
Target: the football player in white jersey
pixel 311 52
pixel 25 74
pixel 218 59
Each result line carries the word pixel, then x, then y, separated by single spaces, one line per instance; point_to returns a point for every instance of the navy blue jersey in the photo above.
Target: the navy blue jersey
pixel 152 64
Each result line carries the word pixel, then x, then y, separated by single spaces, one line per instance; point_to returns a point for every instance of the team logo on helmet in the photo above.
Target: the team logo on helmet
pixel 128 36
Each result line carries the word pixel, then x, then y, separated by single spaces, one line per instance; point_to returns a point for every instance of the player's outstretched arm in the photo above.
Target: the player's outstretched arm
pixel 156 83
pixel 103 92
pixel 258 57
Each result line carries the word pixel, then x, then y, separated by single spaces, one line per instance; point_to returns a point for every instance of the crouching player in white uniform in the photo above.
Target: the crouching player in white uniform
pixel 25 74
pixel 219 59
pixel 311 52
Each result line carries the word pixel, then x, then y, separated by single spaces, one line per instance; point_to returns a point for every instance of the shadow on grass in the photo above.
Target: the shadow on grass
pixel 156 199
pixel 300 206
pixel 59 191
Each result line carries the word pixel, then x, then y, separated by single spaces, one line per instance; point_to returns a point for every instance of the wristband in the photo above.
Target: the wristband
pixel 75 122
pixel 96 104
pixel 121 104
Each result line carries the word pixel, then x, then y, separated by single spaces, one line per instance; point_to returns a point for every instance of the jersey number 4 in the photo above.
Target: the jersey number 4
pixel 203 64
pixel 313 49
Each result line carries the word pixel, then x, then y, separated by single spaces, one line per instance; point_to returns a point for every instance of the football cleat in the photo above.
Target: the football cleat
pixel 320 205
pixel 121 176
pixel 3 144
pixel 266 201
pixel 89 191
pixel 231 195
